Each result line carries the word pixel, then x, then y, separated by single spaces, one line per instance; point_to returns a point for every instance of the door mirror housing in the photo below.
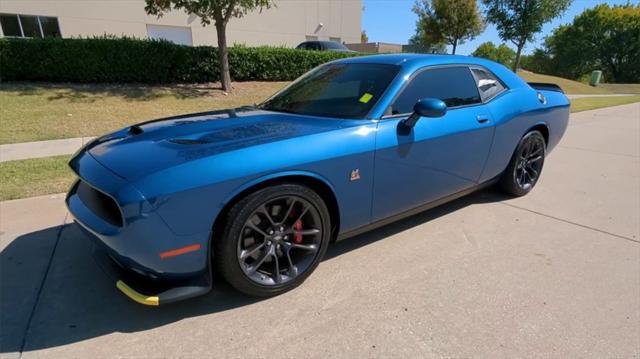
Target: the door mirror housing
pixel 426 107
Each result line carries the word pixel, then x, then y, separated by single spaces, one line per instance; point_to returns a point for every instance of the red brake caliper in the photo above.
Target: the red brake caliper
pixel 297 238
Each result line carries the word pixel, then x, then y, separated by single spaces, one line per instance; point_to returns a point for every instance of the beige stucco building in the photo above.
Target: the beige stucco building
pixel 375 47
pixel 288 23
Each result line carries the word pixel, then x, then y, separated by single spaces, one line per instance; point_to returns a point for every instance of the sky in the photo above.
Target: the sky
pixel 393 21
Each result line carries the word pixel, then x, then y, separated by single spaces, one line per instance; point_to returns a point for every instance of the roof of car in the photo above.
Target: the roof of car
pixel 412 62
pixel 406 58
pixel 321 42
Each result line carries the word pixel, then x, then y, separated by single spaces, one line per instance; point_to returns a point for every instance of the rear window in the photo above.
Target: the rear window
pixel 310 45
pixel 334 45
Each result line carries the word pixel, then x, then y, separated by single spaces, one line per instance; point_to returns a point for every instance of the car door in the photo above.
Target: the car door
pixel 439 156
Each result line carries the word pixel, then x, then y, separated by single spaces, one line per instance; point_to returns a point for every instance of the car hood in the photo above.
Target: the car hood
pixel 142 149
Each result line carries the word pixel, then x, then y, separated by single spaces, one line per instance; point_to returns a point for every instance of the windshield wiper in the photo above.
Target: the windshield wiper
pixel 247 107
pixel 275 109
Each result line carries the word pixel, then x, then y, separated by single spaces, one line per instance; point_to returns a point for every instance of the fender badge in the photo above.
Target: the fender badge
pixel 355 175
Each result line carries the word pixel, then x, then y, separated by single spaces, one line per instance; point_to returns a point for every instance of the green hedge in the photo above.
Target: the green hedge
pixel 126 60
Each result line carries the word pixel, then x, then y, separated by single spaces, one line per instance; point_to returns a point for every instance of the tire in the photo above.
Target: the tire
pixel 271 243
pixel 525 166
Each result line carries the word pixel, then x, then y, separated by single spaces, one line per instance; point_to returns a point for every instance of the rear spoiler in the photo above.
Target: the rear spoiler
pixel 545 86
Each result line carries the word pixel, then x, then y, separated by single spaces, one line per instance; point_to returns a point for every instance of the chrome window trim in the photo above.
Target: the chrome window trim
pixel 427 68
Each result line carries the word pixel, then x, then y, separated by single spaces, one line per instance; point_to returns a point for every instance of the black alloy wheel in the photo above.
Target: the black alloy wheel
pixel 525 166
pixel 279 240
pixel 279 235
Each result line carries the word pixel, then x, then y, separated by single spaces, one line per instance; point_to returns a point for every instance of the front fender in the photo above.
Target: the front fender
pixel 274 176
pixel 191 196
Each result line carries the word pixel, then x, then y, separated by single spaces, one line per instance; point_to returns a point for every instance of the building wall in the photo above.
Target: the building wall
pixel 375 47
pixel 288 24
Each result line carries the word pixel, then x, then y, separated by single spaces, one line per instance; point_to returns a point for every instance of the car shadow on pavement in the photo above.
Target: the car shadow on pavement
pixel 78 301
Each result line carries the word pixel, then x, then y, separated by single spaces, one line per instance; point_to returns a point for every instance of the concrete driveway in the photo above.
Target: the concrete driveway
pixel 553 274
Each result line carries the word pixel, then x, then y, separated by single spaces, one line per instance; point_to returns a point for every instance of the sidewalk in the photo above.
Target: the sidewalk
pixel 26 150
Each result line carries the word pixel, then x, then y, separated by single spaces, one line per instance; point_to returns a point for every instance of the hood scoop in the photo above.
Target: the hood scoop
pixel 135 130
pixel 187 141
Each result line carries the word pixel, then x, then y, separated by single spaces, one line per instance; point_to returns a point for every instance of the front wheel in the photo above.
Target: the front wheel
pixel 525 166
pixel 273 240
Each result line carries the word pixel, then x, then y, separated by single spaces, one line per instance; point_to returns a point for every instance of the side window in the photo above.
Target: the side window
pixel 453 85
pixel 488 84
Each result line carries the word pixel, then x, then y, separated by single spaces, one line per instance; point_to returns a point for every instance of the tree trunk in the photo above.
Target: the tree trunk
pixel 223 57
pixel 614 67
pixel 455 44
pixel 516 62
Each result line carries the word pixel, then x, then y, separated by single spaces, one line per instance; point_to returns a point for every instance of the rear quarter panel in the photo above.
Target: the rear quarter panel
pixel 515 112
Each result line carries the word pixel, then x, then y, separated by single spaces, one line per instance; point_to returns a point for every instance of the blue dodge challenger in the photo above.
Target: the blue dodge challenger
pixel 256 194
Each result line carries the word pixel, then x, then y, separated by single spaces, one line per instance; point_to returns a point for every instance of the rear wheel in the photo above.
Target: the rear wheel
pixel 273 240
pixel 525 166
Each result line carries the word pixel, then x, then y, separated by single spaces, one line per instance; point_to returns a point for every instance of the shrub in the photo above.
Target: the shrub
pixel 128 60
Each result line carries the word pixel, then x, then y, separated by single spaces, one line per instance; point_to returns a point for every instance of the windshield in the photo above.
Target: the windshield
pixel 335 90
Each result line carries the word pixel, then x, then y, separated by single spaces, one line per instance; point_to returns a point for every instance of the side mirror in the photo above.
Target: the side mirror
pixel 426 107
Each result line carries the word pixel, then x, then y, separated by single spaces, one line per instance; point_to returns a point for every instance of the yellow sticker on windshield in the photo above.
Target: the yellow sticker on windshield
pixel 366 97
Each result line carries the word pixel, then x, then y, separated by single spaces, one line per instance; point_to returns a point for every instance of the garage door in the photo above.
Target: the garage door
pixel 177 34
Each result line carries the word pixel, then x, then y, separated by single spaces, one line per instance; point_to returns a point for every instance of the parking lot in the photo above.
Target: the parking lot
pixel 552 274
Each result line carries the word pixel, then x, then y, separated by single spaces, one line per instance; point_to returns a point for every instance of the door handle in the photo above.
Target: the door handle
pixel 482 119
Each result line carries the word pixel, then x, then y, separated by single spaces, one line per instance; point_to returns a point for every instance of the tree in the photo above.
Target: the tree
pixel 538 62
pixel 502 54
pixel 448 21
pixel 363 37
pixel 603 38
pixel 518 21
pixel 218 11
pixel 420 43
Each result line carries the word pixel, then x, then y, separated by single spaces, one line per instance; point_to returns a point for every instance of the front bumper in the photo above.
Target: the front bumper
pixel 153 264
pixel 144 290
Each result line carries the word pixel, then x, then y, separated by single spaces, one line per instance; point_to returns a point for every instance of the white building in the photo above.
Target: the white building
pixel 288 23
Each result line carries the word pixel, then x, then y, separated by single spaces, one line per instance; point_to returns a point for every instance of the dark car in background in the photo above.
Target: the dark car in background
pixel 323 46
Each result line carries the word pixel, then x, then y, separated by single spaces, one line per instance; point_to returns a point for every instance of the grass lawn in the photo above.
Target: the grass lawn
pixel 35 112
pixel 622 88
pixel 569 86
pixel 32 112
pixel 586 103
pixel 34 177
pixel 27 178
